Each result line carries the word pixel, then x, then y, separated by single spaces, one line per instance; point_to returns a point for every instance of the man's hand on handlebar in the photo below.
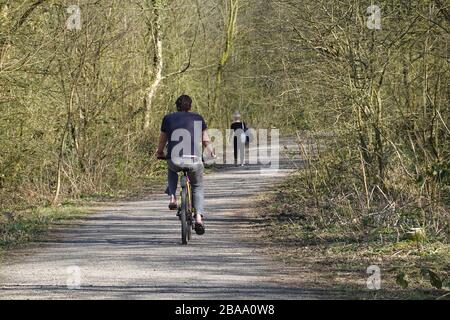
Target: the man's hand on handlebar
pixel 210 149
pixel 160 155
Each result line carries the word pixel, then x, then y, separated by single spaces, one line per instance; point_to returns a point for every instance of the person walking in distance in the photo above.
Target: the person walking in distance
pixel 238 134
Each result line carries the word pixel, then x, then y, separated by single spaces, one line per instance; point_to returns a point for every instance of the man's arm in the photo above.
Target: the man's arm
pixel 161 144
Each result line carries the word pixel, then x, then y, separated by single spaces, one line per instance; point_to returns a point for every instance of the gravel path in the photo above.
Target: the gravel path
pixel 132 250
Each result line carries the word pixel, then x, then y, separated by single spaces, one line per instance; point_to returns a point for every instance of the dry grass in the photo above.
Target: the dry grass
pixel 333 247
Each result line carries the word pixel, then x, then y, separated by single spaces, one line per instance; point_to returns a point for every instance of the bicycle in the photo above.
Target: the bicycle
pixel 186 211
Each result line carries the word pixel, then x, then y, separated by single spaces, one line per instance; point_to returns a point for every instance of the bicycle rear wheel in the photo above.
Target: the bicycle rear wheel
pixel 189 211
pixel 183 212
pixel 189 228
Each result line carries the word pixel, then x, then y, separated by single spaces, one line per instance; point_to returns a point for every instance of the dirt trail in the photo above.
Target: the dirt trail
pixel 131 250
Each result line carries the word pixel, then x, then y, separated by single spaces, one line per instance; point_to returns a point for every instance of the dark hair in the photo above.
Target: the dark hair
pixel 184 103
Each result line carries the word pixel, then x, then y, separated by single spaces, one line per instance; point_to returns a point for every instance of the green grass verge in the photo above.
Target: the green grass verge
pixel 32 225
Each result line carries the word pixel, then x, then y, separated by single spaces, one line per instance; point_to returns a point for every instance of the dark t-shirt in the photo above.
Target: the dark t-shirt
pixel 238 125
pixel 184 131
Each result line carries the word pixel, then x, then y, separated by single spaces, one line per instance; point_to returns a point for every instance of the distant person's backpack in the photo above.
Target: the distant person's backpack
pixel 243 135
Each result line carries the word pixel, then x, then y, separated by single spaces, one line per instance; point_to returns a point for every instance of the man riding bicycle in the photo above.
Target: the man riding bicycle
pixel 185 133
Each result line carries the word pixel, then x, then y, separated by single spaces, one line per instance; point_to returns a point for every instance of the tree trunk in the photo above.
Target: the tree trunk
pixel 61 147
pixel 228 48
pixel 157 62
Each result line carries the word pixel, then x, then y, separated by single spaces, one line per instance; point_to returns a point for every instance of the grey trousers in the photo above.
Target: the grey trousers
pixel 195 174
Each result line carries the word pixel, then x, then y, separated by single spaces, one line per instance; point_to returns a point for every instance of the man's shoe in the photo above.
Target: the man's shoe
pixel 173 206
pixel 199 228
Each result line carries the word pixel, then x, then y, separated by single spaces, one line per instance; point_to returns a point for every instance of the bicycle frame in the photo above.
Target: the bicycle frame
pixel 186 211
